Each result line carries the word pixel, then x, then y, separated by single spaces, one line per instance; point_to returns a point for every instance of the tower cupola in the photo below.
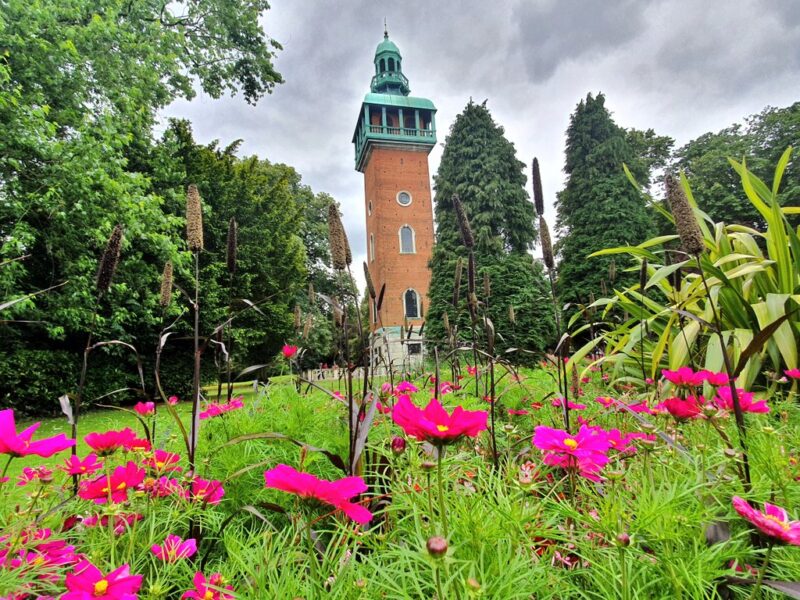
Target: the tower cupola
pixel 389 78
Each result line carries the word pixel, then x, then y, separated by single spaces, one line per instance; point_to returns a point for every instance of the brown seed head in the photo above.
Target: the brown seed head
pixel 166 285
pixel 340 247
pixel 487 286
pixel 109 260
pixel 370 285
pixel 446 322
pixel 298 316
pixel 457 281
pixel 685 221
pixel 463 222
pixel 547 245
pixel 512 316
pixel 233 245
pixel 538 196
pixel 194 219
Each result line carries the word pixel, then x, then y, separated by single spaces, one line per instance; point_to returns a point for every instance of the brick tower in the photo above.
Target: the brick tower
pixel 394 134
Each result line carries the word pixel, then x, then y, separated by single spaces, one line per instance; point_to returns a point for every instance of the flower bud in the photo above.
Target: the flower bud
pixel 473 584
pixel 624 540
pixel 437 546
pixel 428 465
pixel 398 445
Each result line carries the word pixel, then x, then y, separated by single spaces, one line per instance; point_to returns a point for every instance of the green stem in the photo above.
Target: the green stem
pixel 761 573
pixel 438 578
pixel 624 572
pixel 5 469
pixel 430 496
pixel 312 557
pixel 442 504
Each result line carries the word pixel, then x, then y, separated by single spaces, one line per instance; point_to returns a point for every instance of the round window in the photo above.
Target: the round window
pixel 404 198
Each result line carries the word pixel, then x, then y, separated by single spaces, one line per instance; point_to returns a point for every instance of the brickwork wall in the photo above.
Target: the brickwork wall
pixel 389 171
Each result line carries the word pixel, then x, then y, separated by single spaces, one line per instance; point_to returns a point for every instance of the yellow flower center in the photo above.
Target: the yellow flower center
pixel 122 486
pixel 442 428
pixel 160 464
pixel 101 587
pixel 38 560
pixel 570 443
pixel 784 525
pixel 209 595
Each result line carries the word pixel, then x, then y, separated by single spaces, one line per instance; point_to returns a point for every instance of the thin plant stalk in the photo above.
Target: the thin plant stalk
pixel 442 503
pixel 195 429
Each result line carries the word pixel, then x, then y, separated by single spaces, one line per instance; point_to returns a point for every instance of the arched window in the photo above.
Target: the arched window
pixel 411 304
pixel 371 247
pixel 383 65
pixel 391 64
pixel 407 240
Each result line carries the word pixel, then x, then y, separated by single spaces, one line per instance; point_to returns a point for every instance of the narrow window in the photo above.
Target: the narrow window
pixel 383 65
pixel 411 303
pixel 407 240
pixel 391 64
pixel 371 247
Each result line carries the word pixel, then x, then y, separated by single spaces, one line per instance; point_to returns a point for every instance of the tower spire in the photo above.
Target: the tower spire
pixel 385 29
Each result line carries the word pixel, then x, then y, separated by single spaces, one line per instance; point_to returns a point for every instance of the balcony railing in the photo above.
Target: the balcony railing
pixel 379 131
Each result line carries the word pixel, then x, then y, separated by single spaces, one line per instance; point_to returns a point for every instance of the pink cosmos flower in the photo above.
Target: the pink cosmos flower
pixel 174 548
pixel 210 589
pixel 288 351
pixel 75 466
pixel 559 402
pixel 206 490
pixel 517 412
pixel 682 409
pixel 684 377
pixel 31 474
pixel 336 493
pixel 405 387
pixel 173 400
pixel 383 408
pixel 434 424
pixel 639 407
pixel 17 445
pixel 214 409
pixel 713 378
pixel 774 521
pixel 624 442
pixel 472 370
pixel 586 452
pixel 114 487
pixel 87 582
pixel 605 401
pixel 793 373
pixel 163 487
pixel 724 400
pixel 108 442
pixel 145 408
pixel 163 461
pixel 122 521
pixel 446 388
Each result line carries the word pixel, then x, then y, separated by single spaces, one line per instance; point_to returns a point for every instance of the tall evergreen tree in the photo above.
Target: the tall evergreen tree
pixel 480 165
pixel 598 208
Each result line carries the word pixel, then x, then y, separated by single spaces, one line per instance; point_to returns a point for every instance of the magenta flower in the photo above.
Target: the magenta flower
pixel 108 442
pixel 724 400
pixel 434 424
pixel 206 490
pixel 174 548
pixel 472 370
pixel 17 445
pixel 74 465
pixel 210 589
pixel 559 402
pixel 682 409
pixel 774 521
pixel 87 582
pixel 405 387
pixel 288 351
pixel 32 474
pixel 173 400
pixel 793 373
pixel 145 408
pixel 214 410
pixel 713 378
pixel 586 452
pixel 683 377
pixel 517 412
pixel 122 521
pixel 163 461
pixel 336 493
pixel 605 401
pixel 112 487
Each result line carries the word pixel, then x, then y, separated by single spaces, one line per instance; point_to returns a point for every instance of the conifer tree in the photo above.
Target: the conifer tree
pixel 480 165
pixel 598 208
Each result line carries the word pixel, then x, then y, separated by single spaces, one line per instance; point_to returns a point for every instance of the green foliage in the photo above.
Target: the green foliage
pixel 753 282
pixel 480 165
pixel 597 208
pixel 761 139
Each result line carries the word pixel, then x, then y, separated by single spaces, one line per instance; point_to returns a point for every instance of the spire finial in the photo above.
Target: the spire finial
pixel 385 29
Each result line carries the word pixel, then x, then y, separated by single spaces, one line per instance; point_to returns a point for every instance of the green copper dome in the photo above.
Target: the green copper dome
pixel 389 78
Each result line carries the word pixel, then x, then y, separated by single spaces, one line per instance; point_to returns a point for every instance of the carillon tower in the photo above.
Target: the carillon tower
pixel 394 134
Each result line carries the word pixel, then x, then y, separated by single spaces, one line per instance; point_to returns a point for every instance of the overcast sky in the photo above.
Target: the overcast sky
pixel 682 67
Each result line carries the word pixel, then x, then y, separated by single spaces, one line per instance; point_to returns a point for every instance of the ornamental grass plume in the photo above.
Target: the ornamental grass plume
pixel 165 297
pixel 20 444
pixel 109 260
pixel 685 220
pixel 340 247
pixel 547 244
pixel 538 195
pixel 232 245
pixel 370 284
pixel 194 219
pixel 463 223
pixel 335 493
pixel 457 281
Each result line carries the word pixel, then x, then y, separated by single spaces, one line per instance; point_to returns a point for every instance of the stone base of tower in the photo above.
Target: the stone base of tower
pixel 390 346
